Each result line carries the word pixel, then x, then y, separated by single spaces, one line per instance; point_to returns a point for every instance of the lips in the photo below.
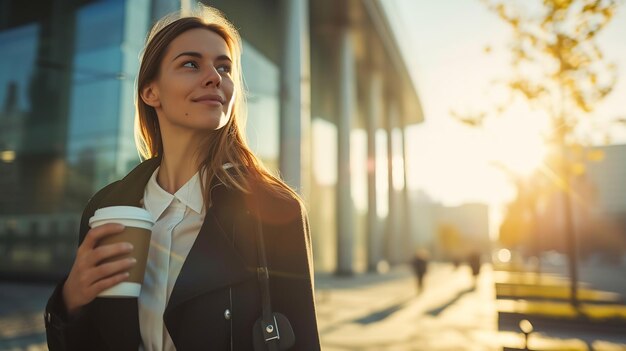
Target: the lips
pixel 209 99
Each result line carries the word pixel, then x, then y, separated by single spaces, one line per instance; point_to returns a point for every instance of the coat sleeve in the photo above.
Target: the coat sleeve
pixel 288 245
pixel 64 332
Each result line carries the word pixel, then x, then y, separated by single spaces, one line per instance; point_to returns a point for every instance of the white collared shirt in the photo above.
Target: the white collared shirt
pixel 178 220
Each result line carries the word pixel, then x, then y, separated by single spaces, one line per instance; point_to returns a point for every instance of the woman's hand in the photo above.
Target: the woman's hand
pixel 88 278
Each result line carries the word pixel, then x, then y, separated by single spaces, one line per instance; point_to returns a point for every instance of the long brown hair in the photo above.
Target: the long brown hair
pixel 221 146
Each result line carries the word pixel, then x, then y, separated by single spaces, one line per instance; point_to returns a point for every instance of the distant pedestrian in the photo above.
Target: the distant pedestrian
pixel 474 262
pixel 456 262
pixel 420 266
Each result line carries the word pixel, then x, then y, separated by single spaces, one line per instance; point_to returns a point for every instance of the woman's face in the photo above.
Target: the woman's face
pixel 194 88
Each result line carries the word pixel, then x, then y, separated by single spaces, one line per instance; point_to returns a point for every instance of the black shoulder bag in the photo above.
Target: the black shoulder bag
pixel 272 331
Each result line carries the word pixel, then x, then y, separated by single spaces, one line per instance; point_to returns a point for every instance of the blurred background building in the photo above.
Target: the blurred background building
pixel 609 180
pixel 329 99
pixel 535 222
pixel 450 232
pixel 600 218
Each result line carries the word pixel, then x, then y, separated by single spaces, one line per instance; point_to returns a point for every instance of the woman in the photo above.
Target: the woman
pixel 208 193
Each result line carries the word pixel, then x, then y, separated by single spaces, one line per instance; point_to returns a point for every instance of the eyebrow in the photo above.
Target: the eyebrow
pixel 199 55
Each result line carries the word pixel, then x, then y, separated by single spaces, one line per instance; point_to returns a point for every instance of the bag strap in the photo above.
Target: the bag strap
pixel 268 321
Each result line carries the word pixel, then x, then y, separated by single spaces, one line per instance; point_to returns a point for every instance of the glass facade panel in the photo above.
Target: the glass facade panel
pixel 61 77
pixel 94 114
pixel 262 79
pixel 19 48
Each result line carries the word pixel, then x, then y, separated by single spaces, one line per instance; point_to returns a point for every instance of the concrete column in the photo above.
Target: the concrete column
pixel 391 227
pixel 374 97
pixel 407 248
pixel 295 94
pixel 346 98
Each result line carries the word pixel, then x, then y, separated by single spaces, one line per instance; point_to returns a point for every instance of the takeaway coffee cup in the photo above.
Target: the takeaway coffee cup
pixel 138 228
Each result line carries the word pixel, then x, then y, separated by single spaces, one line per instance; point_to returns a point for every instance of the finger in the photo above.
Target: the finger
pixel 99 232
pixel 104 252
pixel 108 269
pixel 106 283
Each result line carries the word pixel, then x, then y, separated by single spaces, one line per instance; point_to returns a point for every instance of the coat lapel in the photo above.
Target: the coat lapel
pixel 212 263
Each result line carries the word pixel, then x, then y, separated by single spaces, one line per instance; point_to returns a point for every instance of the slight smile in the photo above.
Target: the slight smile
pixel 209 99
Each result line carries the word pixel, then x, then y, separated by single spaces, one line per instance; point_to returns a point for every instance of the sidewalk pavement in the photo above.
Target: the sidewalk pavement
pixel 365 312
pixel 373 312
pixel 362 312
pixel 342 301
pixel 21 316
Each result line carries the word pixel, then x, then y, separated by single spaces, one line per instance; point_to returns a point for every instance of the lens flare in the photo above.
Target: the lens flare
pixel 504 255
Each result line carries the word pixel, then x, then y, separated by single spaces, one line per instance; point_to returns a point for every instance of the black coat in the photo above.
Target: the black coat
pixel 219 274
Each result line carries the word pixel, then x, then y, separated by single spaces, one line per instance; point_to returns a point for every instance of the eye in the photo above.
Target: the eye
pixel 190 64
pixel 224 68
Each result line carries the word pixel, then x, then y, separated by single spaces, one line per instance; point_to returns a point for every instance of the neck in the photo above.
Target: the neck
pixel 180 160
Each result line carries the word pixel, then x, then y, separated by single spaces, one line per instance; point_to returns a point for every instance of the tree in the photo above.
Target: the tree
pixel 558 68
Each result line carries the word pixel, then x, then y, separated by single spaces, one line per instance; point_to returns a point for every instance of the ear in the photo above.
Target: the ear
pixel 150 95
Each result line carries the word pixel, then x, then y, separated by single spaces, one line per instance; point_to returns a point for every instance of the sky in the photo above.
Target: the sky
pixel 443 46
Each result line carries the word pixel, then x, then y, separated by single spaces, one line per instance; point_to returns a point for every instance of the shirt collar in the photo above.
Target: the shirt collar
pixel 156 199
pixel 191 194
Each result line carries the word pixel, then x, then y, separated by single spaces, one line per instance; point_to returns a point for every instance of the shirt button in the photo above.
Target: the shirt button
pixel 227 314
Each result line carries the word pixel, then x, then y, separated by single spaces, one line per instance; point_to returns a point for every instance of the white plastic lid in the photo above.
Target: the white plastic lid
pixel 116 213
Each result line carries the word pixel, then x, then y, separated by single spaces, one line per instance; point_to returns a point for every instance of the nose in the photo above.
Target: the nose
pixel 212 77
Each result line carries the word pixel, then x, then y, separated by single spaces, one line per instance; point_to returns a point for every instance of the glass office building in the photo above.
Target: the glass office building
pixel 329 95
pixel 67 74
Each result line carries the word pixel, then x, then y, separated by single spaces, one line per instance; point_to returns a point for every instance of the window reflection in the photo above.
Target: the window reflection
pixel 262 81
pixel 59 111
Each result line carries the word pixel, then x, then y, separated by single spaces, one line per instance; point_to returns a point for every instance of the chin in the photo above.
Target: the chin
pixel 213 123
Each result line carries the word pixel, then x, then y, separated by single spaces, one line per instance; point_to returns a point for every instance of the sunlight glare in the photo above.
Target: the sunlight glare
pixel 518 144
pixel 504 255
